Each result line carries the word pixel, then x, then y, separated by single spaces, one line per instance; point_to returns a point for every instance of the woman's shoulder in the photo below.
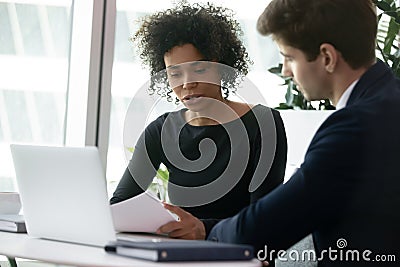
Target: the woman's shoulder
pixel 263 116
pixel 170 116
pixel 262 109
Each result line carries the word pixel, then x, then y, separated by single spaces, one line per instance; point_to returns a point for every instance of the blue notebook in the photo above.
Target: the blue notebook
pixel 181 250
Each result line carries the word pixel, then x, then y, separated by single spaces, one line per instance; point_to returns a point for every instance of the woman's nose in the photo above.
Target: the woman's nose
pixel 189 85
pixel 188 82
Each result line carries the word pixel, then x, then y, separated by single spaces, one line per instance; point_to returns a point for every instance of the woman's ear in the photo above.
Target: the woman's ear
pixel 330 57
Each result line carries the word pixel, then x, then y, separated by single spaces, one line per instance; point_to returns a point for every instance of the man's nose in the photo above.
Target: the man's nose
pixel 286 71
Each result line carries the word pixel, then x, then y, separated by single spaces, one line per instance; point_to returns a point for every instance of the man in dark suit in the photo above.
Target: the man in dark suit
pixel 347 191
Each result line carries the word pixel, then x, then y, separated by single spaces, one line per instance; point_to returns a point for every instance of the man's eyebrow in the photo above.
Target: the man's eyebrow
pixel 283 54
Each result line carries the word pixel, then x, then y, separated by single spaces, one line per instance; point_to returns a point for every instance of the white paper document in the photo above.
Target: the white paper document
pixel 142 213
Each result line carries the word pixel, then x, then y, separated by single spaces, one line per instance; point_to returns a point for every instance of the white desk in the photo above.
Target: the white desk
pixel 22 246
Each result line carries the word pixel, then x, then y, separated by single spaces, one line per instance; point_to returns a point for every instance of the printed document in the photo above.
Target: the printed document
pixel 142 213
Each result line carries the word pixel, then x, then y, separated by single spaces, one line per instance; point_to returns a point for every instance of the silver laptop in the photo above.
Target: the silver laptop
pixel 64 194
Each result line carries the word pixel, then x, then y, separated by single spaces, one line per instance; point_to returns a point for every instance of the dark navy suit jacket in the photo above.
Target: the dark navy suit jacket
pixel 346 192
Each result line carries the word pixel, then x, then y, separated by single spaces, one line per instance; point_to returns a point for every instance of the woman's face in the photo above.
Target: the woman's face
pixel 194 81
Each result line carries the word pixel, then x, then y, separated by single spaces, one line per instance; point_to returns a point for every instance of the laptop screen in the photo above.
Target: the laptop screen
pixel 63 193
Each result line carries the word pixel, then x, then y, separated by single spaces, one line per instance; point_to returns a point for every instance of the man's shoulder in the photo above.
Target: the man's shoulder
pixel 349 115
pixel 345 123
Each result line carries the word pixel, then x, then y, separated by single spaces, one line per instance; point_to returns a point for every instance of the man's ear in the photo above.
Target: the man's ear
pixel 329 56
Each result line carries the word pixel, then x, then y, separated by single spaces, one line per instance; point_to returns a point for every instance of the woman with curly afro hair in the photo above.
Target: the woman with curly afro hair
pixel 214 148
pixel 210 29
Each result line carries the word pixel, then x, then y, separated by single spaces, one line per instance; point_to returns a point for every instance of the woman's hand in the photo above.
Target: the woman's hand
pixel 188 226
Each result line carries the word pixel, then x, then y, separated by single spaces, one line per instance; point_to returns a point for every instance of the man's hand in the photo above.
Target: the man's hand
pixel 188 226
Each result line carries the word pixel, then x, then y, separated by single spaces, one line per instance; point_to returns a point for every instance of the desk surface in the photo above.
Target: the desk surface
pixel 23 246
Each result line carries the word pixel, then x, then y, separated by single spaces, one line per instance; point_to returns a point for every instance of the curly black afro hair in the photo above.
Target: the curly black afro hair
pixel 211 29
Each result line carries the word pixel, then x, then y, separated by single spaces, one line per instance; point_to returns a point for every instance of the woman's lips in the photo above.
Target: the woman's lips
pixel 187 97
pixel 192 99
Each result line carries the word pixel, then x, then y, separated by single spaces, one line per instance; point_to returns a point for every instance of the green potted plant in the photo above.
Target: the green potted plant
pixel 388 33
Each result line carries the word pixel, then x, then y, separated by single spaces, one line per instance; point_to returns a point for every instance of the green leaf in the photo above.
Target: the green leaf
pixel 383 5
pixel 163 175
pixel 276 70
pixel 392 32
pixel 284 106
pixel 289 94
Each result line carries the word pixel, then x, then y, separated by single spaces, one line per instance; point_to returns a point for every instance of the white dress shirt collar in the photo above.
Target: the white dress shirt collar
pixel 345 96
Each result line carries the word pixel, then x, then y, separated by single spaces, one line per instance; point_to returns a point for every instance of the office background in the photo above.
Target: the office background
pixel 68 72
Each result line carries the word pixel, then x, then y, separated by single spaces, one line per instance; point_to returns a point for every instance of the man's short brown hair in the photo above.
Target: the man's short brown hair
pixel 349 25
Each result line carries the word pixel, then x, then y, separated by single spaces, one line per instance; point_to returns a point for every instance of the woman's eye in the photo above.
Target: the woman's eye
pixel 174 75
pixel 200 71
